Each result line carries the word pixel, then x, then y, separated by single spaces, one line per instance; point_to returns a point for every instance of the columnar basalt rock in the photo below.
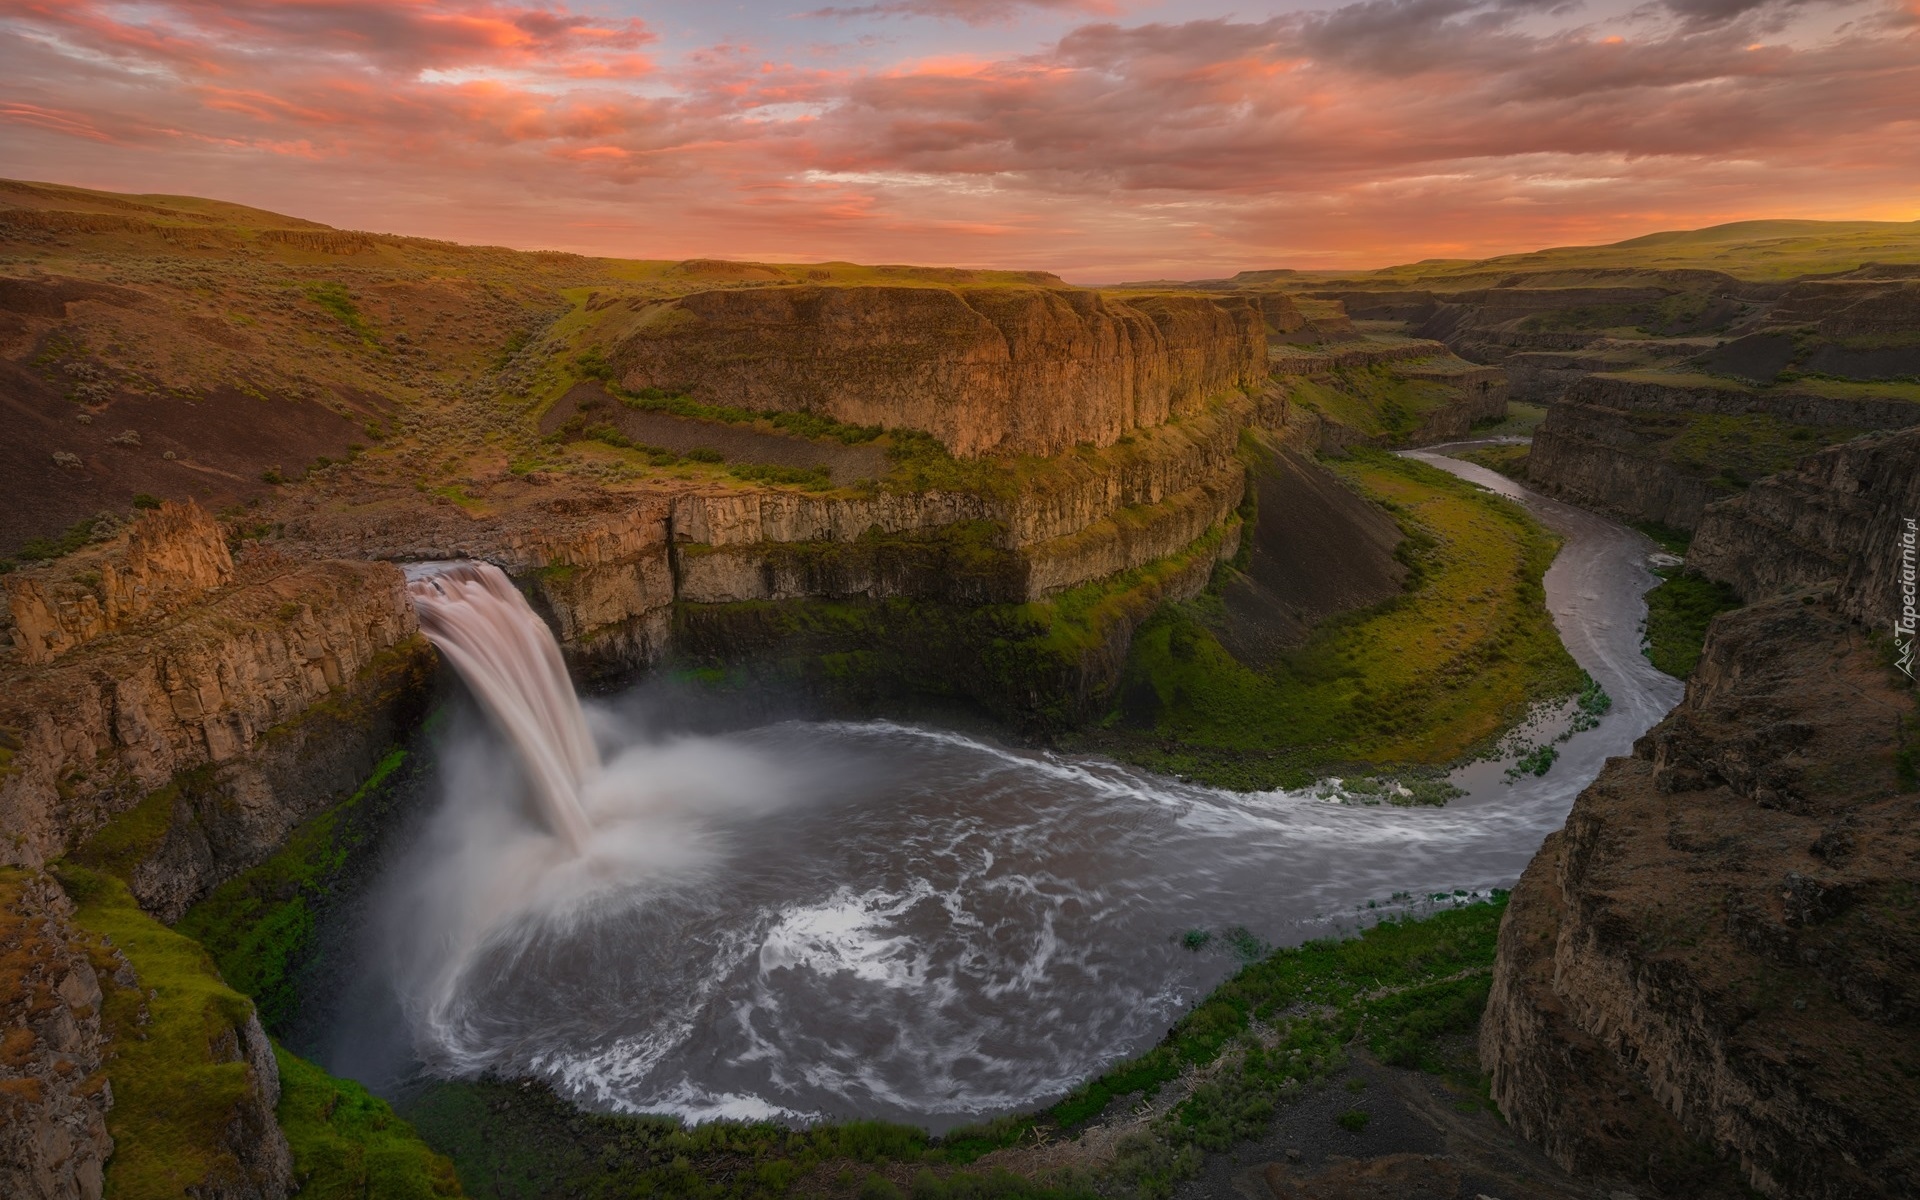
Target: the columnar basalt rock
pixel 1600 446
pixel 1839 516
pixel 986 370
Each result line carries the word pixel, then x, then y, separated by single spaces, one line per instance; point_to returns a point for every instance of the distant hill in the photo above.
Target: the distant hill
pixel 1759 251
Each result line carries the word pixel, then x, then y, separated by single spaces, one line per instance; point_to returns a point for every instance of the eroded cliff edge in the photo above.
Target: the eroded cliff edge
pixel 1721 949
pixel 986 370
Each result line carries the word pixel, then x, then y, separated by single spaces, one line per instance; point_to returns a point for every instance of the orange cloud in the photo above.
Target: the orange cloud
pixel 1380 130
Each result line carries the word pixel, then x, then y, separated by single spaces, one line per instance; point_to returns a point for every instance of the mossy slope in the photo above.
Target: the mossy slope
pixel 179 1085
pixel 1424 678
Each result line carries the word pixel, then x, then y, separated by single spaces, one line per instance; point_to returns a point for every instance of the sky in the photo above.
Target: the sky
pixel 1099 139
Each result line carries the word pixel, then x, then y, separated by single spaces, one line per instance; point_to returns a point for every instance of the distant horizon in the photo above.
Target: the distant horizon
pixel 789 260
pixel 1098 139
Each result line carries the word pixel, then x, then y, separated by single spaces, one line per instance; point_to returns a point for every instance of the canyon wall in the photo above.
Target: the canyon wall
pixel 1720 948
pixel 1650 450
pixel 54 1094
pixel 171 558
pixel 226 720
pixel 1839 516
pixel 985 370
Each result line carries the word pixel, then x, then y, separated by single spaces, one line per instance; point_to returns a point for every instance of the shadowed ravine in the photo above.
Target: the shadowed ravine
pixel 871 919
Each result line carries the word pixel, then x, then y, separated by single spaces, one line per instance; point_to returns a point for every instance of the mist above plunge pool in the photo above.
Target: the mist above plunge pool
pixel 869 919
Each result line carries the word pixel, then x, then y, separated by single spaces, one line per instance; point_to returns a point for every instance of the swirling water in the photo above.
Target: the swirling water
pixel 810 920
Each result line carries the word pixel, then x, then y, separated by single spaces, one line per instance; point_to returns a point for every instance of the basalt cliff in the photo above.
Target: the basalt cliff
pixel 871 486
pixel 985 370
pixel 1718 960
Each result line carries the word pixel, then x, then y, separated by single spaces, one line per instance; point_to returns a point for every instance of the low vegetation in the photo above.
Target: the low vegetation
pixel 1510 461
pixel 1425 678
pixel 173 1062
pixel 1373 400
pixel 1678 613
pixel 348 1144
pixel 259 926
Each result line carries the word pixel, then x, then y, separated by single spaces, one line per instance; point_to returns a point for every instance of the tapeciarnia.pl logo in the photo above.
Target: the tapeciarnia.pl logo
pixel 1903 625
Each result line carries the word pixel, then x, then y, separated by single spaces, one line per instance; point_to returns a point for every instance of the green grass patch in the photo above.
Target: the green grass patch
pixel 814 479
pixel 132 837
pixel 172 1102
pixel 1736 450
pixel 337 300
pixel 1673 541
pixel 1510 461
pixel 348 1144
pixel 1425 678
pixel 1678 613
pixel 62 544
pixel 1373 400
pixel 259 925
pixel 679 403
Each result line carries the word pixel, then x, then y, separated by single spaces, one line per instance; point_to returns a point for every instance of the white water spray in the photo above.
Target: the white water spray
pixel 474 615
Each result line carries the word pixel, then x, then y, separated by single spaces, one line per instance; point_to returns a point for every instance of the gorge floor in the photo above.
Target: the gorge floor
pixel 850 905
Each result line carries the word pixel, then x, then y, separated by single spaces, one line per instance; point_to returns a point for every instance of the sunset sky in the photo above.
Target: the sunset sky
pixel 1102 139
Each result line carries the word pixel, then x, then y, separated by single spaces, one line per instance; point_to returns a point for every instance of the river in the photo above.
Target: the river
pixel 871 919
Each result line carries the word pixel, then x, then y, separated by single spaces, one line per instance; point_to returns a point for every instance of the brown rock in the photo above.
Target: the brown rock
pixel 1683 943
pixel 168 558
pixel 986 370
pixel 53 1091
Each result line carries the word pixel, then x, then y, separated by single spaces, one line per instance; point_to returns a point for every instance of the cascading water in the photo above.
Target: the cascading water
pixel 474 616
pixel 866 919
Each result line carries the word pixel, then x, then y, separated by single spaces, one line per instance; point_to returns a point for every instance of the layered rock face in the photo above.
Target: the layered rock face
pixel 1615 443
pixel 986 370
pixel 1721 944
pixel 54 1095
pixel 607 566
pixel 258 704
pixel 1840 515
pixel 169 559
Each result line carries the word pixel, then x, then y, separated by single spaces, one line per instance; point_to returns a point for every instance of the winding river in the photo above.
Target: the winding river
pixel 828 920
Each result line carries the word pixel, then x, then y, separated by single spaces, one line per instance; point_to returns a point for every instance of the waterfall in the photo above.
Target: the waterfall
pixel 474 615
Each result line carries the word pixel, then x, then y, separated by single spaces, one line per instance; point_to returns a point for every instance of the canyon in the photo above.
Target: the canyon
pixel 877 488
pixel 1717 947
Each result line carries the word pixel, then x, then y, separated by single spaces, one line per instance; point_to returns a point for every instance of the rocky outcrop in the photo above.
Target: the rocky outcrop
pixel 166 559
pixel 1685 394
pixel 1840 517
pixel 986 370
pixel 54 1095
pixel 1616 442
pixel 1720 940
pixel 1543 376
pixel 226 726
pixel 1603 458
pixel 258 1163
pixel 1314 360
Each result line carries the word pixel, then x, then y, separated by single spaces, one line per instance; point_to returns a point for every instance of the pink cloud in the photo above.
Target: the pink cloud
pixel 1383 130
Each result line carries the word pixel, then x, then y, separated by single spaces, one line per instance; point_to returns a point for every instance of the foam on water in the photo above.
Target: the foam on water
pixel 875 919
